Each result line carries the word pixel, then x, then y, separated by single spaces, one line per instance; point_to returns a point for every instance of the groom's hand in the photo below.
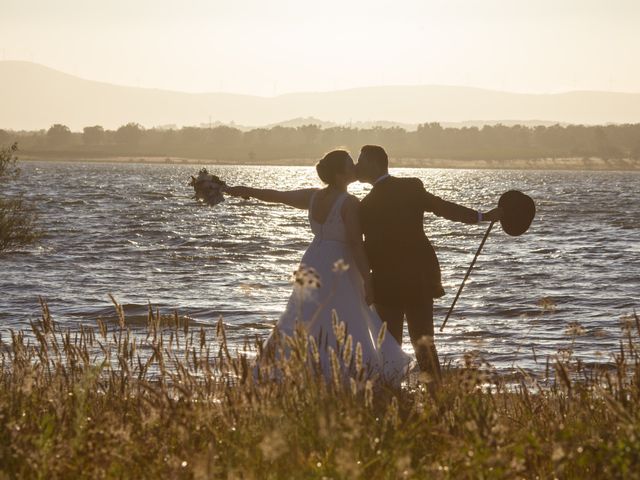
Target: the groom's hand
pixel 493 215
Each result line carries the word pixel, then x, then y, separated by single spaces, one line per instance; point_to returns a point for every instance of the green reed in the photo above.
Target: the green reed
pixel 178 402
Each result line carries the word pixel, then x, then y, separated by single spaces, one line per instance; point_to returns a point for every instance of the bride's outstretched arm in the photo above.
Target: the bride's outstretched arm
pixel 295 198
pixel 354 237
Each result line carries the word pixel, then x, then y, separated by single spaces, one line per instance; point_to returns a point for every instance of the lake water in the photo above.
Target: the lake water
pixel 134 230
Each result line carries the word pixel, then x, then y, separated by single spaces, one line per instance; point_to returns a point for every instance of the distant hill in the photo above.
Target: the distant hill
pixel 302 121
pixel 33 97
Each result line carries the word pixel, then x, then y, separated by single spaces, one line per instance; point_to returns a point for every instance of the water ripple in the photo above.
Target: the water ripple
pixel 135 231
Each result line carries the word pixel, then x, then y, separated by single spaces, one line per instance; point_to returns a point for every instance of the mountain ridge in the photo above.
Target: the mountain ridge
pixel 34 96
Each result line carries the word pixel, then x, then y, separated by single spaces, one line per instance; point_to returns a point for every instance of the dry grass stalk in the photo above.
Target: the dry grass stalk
pixel 174 401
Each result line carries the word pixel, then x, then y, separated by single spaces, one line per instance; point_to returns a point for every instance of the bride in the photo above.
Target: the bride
pixel 334 277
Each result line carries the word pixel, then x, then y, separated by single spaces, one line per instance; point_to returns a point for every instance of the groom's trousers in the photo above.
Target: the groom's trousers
pixel 421 332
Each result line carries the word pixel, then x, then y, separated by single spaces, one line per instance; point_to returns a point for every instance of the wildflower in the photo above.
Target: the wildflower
pixel 358 358
pixel 339 328
pixel 517 464
pixel 565 354
pixel 346 464
pixel 347 353
pixel 600 333
pixel 314 349
pixel 392 415
pixel 306 277
pixel 403 464
pixel 558 453
pixel 273 445
pixel 335 367
pixel 472 426
pixel 574 329
pixel 340 266
pixel 547 304
pixel 354 386
pixel 626 322
pixel 382 333
pixel 368 394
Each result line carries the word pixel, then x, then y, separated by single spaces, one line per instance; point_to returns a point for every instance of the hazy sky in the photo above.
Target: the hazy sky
pixel 269 47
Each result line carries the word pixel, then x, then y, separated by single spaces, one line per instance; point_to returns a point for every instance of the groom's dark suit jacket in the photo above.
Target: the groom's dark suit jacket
pixel 403 262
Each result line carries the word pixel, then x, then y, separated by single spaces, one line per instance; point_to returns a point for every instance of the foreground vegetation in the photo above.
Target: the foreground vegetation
pixel 174 402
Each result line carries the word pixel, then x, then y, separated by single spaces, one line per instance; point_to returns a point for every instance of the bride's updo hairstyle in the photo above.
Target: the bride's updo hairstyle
pixel 333 164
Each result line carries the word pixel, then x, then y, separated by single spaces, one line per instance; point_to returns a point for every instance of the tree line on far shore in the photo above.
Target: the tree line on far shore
pixel 429 140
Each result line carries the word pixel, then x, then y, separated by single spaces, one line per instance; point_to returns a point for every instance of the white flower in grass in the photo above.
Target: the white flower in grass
pixel 574 329
pixel 340 266
pixel 306 277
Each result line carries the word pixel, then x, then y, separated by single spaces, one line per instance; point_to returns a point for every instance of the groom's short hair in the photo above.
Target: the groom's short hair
pixel 377 154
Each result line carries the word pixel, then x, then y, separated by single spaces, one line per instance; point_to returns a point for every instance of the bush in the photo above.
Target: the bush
pixel 17 216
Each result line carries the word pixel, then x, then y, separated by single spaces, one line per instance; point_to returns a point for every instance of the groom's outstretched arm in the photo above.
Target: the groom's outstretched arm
pixel 443 208
pixel 294 198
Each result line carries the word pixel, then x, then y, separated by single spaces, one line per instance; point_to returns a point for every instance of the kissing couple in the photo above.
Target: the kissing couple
pixel 367 253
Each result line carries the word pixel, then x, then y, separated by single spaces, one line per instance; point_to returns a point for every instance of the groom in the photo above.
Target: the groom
pixel 404 266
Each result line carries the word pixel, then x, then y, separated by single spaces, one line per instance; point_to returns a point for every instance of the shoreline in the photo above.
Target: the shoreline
pixel 572 163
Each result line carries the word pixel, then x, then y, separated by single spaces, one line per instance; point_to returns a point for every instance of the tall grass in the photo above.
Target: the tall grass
pixel 176 402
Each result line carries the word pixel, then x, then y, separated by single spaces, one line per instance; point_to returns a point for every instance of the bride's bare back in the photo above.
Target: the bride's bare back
pixel 323 204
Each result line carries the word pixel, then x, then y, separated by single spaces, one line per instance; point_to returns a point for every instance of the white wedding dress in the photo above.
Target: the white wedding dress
pixel 339 288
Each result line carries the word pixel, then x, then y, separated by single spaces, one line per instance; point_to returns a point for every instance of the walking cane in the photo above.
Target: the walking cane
pixel 518 211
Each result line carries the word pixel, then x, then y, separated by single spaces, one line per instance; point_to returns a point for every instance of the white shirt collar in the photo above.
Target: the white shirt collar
pixel 382 178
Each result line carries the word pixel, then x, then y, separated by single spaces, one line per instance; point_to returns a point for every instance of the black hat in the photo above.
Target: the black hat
pixel 518 211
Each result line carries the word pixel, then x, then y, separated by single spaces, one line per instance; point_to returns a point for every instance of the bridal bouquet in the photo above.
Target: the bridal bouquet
pixel 208 187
